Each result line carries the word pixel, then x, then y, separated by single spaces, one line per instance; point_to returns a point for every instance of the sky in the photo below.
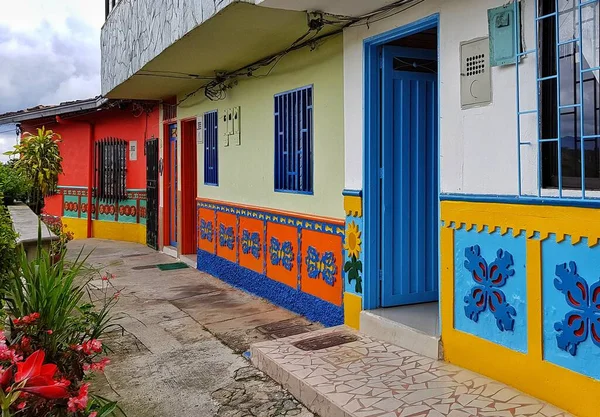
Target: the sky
pixel 49 53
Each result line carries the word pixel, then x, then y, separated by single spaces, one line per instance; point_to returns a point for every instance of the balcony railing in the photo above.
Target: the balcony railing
pixel 109 5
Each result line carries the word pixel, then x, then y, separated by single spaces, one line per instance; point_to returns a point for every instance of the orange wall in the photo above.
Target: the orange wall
pixel 74 148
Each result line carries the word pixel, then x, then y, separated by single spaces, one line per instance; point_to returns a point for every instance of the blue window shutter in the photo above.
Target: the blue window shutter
pixel 211 142
pixel 294 141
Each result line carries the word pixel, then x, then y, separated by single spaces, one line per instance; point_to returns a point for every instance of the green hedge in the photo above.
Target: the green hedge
pixel 8 237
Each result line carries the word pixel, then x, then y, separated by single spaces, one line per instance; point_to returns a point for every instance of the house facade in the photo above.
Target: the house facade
pixel 418 162
pixel 104 164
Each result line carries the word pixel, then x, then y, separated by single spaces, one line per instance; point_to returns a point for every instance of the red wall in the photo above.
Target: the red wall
pixel 75 145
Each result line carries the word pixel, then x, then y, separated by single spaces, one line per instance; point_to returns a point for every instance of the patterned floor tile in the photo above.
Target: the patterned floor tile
pixel 369 378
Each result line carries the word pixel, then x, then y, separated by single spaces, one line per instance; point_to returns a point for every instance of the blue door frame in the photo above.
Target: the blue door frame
pixel 372 151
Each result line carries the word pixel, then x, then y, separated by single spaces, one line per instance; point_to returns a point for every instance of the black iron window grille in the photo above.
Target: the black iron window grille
pixel 111 169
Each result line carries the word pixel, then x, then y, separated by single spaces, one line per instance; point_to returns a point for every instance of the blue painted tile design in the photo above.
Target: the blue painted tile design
pixel 318 266
pixel 507 326
pixel 571 305
pixel 281 254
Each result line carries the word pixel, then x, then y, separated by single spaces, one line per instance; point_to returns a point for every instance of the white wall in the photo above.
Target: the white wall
pixel 478 150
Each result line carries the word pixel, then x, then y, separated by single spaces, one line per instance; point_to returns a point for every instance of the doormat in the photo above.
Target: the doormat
pixel 325 341
pixel 172 266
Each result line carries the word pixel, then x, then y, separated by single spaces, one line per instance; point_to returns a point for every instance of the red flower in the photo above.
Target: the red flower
pixel 21 405
pixel 5 377
pixel 93 414
pixel 79 402
pixel 92 346
pixel 98 366
pixel 49 331
pixel 39 377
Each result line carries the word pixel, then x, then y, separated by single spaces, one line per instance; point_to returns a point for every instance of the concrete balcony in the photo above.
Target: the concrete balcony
pixel 153 49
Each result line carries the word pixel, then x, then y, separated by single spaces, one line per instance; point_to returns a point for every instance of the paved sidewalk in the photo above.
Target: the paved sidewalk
pixel 185 331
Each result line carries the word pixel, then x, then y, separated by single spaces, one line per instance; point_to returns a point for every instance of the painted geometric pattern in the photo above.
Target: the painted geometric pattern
pixel 373 378
pixel 206 230
pixel 282 254
pixel 226 238
pixel 584 320
pixel 132 210
pixel 488 280
pixel 319 226
pixel 251 243
pixel 321 266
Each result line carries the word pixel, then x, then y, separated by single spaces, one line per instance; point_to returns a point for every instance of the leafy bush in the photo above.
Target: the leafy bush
pixel 13 183
pixel 53 316
pixel 8 239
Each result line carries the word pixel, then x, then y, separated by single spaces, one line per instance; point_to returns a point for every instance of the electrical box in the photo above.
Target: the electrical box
pixel 475 74
pixel 505 34
pixel 226 114
pixel 236 136
pixel 200 129
pixel 133 150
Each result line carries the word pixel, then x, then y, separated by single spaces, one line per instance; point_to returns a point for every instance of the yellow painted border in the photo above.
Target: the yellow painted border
pixel 529 372
pixel 352 309
pixel 576 222
pixel 353 205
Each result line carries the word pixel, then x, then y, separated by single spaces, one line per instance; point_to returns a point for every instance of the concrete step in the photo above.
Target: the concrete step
pixel 377 325
pixel 369 377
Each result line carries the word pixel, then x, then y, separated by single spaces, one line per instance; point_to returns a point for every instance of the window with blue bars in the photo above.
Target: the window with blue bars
pixel 294 141
pixel 567 55
pixel 211 148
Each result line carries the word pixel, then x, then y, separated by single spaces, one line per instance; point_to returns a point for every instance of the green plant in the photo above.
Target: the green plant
pixel 53 309
pixel 39 160
pixel 8 238
pixel 13 183
pixel 57 227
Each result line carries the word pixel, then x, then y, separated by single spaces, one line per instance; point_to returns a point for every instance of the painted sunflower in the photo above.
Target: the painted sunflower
pixel 352 241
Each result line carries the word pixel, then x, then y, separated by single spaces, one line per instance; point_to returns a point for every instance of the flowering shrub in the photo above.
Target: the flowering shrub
pixel 52 342
pixel 57 227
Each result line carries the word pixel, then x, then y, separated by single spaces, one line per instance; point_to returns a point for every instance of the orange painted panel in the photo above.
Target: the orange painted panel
pixel 251 240
pixel 206 230
pixel 322 261
pixel 226 236
pixel 282 254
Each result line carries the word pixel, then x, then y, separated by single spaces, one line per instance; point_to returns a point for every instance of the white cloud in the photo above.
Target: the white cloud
pixel 49 52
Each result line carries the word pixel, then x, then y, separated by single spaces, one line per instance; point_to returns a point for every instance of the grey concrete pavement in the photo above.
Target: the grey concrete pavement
pixel 180 354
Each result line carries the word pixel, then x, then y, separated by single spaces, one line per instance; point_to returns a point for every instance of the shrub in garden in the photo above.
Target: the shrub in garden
pixel 8 239
pixel 57 227
pixel 52 340
pixel 14 185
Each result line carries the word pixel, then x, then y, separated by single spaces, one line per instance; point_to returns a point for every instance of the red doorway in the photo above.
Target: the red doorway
pixel 188 187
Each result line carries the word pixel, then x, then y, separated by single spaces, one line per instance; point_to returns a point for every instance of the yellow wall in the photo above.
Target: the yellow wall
pixel 246 172
pixel 127 232
pixel 529 372
pixel 76 226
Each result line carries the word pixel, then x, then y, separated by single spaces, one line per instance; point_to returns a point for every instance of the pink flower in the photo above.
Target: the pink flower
pixel 49 331
pixel 80 402
pixel 117 295
pixel 21 405
pixel 97 366
pixel 92 346
pixel 93 414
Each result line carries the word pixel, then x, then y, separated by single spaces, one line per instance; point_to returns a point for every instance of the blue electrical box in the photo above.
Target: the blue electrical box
pixel 505 34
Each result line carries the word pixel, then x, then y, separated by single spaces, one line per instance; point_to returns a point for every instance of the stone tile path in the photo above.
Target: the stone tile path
pixel 370 378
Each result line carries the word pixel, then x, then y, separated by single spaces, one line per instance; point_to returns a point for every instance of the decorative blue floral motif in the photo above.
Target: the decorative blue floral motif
pixel 282 254
pixel 206 230
pixel 324 267
pixel 584 319
pixel 251 243
pixel 486 293
pixel 226 236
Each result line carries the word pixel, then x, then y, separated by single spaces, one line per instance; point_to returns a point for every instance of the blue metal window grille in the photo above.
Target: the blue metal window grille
pixel 294 141
pixel 566 54
pixel 211 148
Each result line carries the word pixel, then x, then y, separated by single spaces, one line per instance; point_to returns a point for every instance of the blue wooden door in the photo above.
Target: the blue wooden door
pixel 173 184
pixel 409 263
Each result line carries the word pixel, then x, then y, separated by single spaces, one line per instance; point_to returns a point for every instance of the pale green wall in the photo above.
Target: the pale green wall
pixel 246 172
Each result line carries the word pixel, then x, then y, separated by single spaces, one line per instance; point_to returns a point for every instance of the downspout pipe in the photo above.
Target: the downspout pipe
pixel 90 187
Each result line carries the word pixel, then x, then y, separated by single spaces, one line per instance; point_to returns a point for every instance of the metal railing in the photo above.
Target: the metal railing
pixel 109 5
